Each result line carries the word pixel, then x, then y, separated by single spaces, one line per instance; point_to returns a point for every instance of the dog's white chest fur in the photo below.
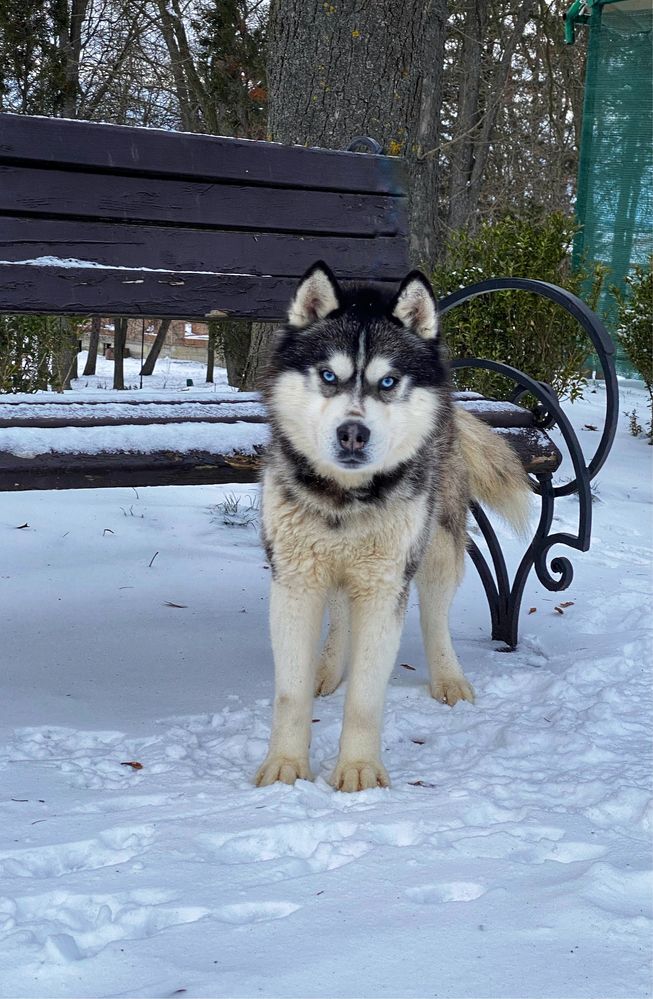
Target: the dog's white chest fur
pixel 367 549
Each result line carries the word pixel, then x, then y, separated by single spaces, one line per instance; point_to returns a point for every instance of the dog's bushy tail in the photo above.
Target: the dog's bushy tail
pixel 496 475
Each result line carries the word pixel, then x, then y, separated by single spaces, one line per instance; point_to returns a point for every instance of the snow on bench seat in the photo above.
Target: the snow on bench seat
pixel 54 444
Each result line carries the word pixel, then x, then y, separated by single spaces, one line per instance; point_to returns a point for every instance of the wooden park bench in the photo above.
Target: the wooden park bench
pixel 108 220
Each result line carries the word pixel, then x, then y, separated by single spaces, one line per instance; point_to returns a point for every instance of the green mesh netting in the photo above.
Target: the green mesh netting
pixel 615 180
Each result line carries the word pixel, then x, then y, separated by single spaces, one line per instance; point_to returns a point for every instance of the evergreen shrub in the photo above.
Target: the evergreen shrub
pixel 26 346
pixel 515 327
pixel 635 325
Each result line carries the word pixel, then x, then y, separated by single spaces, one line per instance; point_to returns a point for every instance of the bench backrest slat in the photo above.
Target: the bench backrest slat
pixel 278 254
pixel 138 202
pixel 143 200
pixel 87 146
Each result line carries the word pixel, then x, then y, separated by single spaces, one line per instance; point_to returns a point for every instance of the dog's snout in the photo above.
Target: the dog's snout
pixel 352 436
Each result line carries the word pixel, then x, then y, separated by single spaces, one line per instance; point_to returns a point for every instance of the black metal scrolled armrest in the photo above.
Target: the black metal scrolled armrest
pixel 554 415
pixel 505 598
pixel 595 330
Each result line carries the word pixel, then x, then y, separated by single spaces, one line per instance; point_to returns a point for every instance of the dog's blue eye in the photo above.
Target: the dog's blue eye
pixel 388 382
pixel 328 377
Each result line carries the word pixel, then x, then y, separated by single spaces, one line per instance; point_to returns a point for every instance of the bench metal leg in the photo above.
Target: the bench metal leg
pixel 504 598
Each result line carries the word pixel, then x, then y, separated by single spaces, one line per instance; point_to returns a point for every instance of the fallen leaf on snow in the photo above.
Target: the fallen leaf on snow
pixel 133 764
pixel 532 610
pixel 21 527
pixel 407 666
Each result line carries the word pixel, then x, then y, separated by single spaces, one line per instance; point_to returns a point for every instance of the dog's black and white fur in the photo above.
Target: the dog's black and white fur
pixel 367 484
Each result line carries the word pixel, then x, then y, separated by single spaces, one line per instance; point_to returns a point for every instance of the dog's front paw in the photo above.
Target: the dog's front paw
pixel 282 768
pixel 452 689
pixel 358 775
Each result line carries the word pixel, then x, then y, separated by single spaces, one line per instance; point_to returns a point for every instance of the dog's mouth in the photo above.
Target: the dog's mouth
pixel 348 460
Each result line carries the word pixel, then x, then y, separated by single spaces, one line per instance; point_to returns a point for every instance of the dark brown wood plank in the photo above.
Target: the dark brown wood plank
pixel 102 292
pixel 534 448
pixel 372 258
pixel 83 471
pixel 499 414
pixel 85 145
pixel 61 194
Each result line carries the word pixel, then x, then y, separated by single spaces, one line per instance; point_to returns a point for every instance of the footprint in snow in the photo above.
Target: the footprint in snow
pixel 254 912
pixel 295 849
pixel 69 927
pixel 114 846
pixel 452 891
pixel 273 853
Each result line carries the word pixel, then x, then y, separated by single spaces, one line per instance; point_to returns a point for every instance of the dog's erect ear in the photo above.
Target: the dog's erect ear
pixel 317 295
pixel 415 306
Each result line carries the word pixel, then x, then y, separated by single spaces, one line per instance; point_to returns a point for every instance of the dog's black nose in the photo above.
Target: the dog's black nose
pixel 352 436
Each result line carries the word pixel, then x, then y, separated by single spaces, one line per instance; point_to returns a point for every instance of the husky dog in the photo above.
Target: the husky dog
pixel 367 483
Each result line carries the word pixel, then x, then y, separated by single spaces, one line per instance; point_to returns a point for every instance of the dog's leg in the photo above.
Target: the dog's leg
pixel 376 629
pixel 295 620
pixel 333 659
pixel 438 578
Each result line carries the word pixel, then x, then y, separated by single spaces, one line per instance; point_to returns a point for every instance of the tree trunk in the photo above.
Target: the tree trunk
pixel 374 68
pixel 214 337
pixel 479 108
pixel 64 358
pixel 93 343
pixel 236 340
pixel 157 346
pixel 461 156
pixel 259 348
pixel 68 23
pixel 119 340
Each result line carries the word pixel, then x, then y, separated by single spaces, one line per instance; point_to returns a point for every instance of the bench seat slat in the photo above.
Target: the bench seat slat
pixel 58 422
pixel 105 470
pixel 61 194
pixel 83 145
pixel 91 452
pixel 96 471
pixel 83 413
pixel 187 249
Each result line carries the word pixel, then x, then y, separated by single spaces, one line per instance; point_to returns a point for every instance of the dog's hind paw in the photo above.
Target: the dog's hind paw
pixel 359 775
pixel 327 680
pixel 450 690
pixel 282 768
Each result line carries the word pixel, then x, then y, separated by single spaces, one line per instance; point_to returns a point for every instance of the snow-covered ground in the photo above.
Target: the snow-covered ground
pixel 511 857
